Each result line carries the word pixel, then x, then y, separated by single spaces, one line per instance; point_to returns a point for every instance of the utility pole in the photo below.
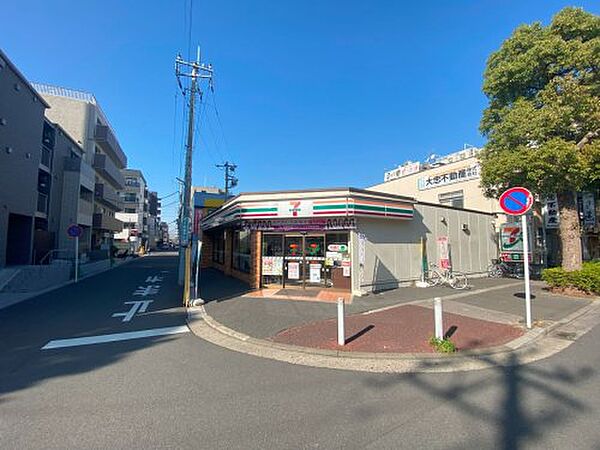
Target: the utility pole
pixel 196 71
pixel 230 180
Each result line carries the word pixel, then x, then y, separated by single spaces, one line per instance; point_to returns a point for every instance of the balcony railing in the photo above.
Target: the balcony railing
pixel 46 159
pixel 108 142
pixel 106 222
pixel 108 170
pixel 42 203
pixel 104 194
pixel 87 173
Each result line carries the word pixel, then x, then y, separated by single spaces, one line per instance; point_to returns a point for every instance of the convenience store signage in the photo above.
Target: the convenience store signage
pixel 302 224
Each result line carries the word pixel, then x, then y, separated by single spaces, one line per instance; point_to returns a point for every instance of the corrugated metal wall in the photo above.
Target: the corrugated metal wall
pixel 392 247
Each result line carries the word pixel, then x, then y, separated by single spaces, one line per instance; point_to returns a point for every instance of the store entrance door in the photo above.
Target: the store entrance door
pixel 293 263
pixel 304 260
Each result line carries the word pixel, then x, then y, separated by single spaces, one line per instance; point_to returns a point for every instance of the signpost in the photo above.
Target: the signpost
pixel 75 231
pixel 516 202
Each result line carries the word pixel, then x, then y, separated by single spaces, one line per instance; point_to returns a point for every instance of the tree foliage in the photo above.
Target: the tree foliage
pixel 543 117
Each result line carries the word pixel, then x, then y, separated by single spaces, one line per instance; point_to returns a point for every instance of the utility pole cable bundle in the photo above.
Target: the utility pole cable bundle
pixel 230 180
pixel 196 71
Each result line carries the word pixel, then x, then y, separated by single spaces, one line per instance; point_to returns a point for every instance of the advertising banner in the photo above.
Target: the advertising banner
pixel 443 252
pixel 272 265
pixel 315 273
pixel 293 270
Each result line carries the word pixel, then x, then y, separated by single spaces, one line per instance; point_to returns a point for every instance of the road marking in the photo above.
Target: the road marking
pixel 138 306
pixel 147 290
pixel 154 279
pixel 105 338
pixel 144 305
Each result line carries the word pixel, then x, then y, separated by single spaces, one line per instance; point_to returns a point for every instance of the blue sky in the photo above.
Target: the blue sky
pixel 309 93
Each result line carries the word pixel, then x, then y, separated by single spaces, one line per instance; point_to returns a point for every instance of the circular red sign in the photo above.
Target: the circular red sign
pixel 516 201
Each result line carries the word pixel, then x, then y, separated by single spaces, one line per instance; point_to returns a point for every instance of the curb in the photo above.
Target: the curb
pixel 534 345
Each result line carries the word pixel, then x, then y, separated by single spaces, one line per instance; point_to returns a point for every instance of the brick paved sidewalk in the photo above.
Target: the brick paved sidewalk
pixel 496 301
pixel 403 329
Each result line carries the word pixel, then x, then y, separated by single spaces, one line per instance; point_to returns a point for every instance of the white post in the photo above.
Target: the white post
pixel 526 267
pixel 340 322
pixel 76 258
pixel 437 318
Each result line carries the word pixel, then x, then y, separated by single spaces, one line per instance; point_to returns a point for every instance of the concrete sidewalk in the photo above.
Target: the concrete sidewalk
pixel 263 318
pixel 495 307
pixel 12 298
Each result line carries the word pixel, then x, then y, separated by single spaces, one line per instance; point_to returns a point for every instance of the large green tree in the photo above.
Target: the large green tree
pixel 543 118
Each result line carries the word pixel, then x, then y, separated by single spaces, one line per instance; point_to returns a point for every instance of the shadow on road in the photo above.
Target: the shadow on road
pixel 215 286
pixel 82 310
pixel 512 421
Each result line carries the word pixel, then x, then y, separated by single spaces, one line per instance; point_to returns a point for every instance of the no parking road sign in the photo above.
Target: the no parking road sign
pixel 74 231
pixel 516 201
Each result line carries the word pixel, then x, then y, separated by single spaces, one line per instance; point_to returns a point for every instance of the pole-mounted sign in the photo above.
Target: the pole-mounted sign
pixel 75 231
pixel 517 201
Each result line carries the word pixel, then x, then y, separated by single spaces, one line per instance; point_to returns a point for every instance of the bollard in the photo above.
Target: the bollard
pixel 437 317
pixel 340 322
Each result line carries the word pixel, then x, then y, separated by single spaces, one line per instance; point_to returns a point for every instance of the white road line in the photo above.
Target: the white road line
pixel 144 306
pixel 104 338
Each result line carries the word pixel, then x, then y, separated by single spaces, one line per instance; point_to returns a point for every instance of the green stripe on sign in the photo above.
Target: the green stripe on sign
pixel 322 207
pixel 400 210
pixel 369 207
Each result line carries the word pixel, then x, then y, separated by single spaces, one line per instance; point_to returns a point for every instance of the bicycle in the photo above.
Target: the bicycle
pixel 499 269
pixel 437 277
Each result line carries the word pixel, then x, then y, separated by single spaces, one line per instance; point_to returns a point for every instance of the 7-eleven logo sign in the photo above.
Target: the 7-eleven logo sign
pixel 295 208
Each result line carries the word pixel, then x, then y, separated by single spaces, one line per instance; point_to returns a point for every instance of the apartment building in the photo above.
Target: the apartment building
pixel 72 194
pixel 153 220
pixel 81 116
pixel 24 165
pixel 163 233
pixel 134 215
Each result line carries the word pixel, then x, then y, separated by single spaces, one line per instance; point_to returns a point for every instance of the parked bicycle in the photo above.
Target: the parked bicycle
pixel 499 269
pixel 438 277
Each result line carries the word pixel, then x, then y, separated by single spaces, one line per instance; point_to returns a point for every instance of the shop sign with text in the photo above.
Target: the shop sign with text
pixel 550 212
pixel 308 224
pixel 449 177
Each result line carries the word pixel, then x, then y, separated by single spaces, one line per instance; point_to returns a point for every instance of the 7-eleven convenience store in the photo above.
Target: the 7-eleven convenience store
pixel 347 240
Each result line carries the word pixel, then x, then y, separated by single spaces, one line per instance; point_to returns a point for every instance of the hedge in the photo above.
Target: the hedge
pixel 587 279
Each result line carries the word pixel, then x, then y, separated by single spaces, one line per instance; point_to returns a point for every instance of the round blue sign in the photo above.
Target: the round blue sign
pixel 74 230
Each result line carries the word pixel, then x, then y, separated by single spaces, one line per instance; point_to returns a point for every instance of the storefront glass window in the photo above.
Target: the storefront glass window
pixel 272 259
pixel 241 251
pixel 218 255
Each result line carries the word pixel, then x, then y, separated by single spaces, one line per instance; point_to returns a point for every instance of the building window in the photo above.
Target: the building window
pixel 130 210
pixel 218 255
pixel 131 198
pixel 241 251
pixel 456 199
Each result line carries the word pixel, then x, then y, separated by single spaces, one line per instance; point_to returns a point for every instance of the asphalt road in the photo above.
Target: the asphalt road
pixel 177 391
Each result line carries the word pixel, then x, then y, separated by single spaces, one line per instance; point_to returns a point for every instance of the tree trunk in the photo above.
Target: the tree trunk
pixel 570 235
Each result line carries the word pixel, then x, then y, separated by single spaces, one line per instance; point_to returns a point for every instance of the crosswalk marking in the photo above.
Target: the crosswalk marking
pixel 105 338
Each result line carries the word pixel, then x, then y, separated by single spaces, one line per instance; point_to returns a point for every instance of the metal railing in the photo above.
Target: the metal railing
pixel 48 257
